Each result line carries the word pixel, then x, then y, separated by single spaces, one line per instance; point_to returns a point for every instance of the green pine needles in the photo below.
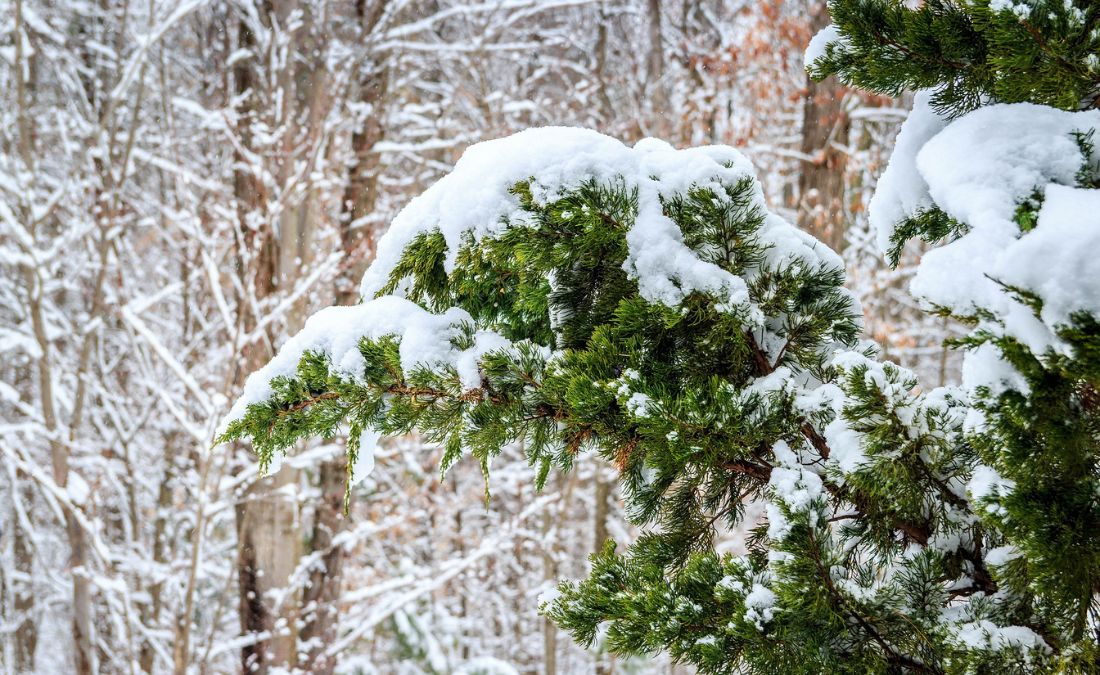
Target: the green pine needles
pixel 569 293
pixel 971 52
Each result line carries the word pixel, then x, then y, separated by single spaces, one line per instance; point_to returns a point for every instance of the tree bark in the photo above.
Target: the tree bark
pixel 266 516
pixel 655 72
pixel 825 125
pixel 599 528
pixel 319 601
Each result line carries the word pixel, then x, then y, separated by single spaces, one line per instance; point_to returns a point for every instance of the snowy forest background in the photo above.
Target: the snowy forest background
pixel 183 182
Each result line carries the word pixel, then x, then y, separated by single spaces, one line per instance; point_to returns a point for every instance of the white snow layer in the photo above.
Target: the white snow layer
pixel 986 483
pixel 425 339
pixel 987 635
pixel 901 190
pixel 474 201
pixel 793 485
pixel 816 49
pixel 979 169
pixel 760 605
pixel 1063 247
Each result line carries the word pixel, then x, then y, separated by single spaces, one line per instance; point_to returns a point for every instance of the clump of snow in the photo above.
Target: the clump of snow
pixel 795 486
pixel 846 445
pixel 547 596
pixel 987 635
pixel 986 485
pixel 816 49
pixel 778 525
pixel 985 367
pixel 707 641
pixel 902 191
pixel 425 339
pixel 760 605
pixel 1002 555
pixel 474 201
pixel 1020 9
pixel 730 584
pixel 1064 243
pixel 978 170
pixel 777 380
pixel 787 245
pixel 945 542
pixel 638 404
pixel 364 459
pixel 983 164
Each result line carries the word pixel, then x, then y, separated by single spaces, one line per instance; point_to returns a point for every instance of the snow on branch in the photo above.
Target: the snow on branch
pixel 476 200
pixel 425 339
pixel 1012 185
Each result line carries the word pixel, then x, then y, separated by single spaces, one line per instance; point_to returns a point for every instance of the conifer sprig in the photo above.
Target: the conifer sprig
pixel 971 52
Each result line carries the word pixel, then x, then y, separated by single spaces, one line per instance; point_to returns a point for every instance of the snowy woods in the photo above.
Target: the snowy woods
pixel 646 331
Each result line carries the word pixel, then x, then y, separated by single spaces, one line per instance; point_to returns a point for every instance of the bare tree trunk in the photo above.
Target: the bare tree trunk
pixel 82 598
pixel 319 608
pixel 599 538
pixel 607 108
pixel 655 72
pixel 262 513
pixel 549 630
pixel 824 127
pixel 59 456
pixel 26 632
pixel 268 544
pixel 82 612
pixel 319 599
pixel 150 612
pixel 361 193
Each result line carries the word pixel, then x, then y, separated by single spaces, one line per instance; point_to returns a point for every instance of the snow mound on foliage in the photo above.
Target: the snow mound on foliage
pixel 818 43
pixel 979 169
pixel 902 191
pixel 989 636
pixel 474 201
pixel 1062 248
pixel 335 332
